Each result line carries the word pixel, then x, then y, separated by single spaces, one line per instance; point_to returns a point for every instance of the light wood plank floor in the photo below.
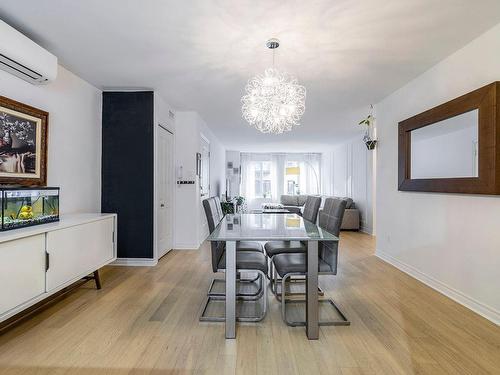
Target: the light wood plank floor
pixel 145 321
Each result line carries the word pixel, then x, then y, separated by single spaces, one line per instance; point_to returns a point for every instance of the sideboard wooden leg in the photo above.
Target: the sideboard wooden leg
pixel 97 279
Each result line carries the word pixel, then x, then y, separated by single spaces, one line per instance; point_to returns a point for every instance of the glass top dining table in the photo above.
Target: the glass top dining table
pixel 271 227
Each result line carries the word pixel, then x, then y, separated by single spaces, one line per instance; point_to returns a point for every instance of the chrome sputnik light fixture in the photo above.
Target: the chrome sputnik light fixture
pixel 274 101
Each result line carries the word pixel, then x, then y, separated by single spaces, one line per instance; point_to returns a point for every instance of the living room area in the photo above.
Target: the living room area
pixel 282 181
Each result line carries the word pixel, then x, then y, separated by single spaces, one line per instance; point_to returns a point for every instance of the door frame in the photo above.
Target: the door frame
pixel 205 139
pixel 169 128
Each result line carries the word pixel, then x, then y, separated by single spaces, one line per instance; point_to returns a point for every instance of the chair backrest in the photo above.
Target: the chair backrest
pixel 330 219
pixel 311 208
pixel 213 212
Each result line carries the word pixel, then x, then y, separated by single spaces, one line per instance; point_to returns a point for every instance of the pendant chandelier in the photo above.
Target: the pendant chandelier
pixel 274 101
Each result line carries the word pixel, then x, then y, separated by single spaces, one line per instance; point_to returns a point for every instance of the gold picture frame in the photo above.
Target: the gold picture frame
pixel 23 144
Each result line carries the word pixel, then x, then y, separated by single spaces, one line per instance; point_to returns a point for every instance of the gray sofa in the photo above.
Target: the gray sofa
pixel 351 221
pixel 293 203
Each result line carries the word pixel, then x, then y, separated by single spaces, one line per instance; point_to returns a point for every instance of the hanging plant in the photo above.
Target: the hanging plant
pixel 368 138
pixel 367 121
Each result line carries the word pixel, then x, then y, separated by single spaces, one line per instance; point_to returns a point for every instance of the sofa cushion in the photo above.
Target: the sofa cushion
pixel 350 203
pixel 294 209
pixel 289 200
pixel 301 199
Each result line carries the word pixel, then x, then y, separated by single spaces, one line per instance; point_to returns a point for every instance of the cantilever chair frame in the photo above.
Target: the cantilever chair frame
pixel 275 281
pixel 244 296
pixel 342 322
pixel 272 271
pixel 335 212
pixel 262 295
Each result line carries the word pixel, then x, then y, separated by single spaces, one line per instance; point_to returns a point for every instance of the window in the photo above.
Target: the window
pixel 267 176
pixel 292 177
pixel 262 179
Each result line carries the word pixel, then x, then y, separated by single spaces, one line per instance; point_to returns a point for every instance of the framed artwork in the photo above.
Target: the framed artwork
pixel 23 144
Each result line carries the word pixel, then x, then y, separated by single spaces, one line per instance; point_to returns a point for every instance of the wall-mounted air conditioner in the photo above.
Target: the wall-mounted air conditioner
pixel 24 58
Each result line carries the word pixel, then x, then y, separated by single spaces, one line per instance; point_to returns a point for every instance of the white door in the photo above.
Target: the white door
pixel 165 191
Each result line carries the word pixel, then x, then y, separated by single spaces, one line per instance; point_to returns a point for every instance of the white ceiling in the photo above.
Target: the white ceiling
pixel 199 54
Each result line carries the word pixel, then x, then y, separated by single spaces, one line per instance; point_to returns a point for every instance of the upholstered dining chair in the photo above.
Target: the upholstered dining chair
pixel 273 248
pixel 293 264
pixel 249 258
pixel 214 214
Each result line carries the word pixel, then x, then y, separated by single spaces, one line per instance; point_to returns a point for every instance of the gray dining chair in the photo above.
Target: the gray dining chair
pixel 293 264
pixel 249 258
pixel 273 248
pixel 214 215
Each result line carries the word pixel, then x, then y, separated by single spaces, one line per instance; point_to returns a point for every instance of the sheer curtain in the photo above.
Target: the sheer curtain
pixel 247 176
pixel 250 164
pixel 310 174
pixel 309 180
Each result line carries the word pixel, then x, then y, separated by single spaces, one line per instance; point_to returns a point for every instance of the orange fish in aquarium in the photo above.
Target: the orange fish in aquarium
pixel 23 206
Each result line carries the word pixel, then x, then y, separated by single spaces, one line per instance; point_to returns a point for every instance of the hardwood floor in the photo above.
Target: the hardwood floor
pixel 145 321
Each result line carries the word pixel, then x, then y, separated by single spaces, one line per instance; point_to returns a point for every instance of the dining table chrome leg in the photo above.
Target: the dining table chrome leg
pixel 230 289
pixel 312 308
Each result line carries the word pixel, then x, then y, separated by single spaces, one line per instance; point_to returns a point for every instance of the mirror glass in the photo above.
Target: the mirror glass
pixel 446 149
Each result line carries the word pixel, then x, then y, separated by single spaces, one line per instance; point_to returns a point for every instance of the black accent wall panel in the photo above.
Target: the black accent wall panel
pixel 127 169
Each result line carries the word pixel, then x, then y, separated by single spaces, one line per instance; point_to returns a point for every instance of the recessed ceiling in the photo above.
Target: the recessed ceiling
pixel 199 54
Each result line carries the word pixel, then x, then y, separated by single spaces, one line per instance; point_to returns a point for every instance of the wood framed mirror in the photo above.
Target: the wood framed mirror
pixel 454 147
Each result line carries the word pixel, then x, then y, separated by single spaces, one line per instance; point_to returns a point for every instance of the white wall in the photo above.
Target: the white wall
pixel 190 221
pixel 348 173
pixel 449 241
pixel 186 207
pixel 74 145
pixel 217 161
pixel 217 174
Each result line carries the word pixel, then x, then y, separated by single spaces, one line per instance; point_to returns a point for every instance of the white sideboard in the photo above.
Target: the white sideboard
pixel 38 261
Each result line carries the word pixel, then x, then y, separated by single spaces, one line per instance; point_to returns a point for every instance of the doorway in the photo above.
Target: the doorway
pixel 205 167
pixel 164 188
pixel 204 182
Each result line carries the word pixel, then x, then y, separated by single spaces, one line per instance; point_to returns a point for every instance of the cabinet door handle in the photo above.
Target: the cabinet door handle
pixel 47 261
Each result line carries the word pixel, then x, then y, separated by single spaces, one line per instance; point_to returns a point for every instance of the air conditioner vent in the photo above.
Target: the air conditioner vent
pixel 23 58
pixel 20 70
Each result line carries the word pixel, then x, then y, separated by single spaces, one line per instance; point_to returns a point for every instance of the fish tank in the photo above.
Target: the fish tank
pixel 28 206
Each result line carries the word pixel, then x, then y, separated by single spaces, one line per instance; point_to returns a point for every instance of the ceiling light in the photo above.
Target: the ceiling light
pixel 274 101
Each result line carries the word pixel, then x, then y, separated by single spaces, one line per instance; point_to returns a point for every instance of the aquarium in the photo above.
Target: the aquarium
pixel 23 206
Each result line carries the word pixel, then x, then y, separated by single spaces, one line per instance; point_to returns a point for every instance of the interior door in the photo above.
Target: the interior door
pixel 165 191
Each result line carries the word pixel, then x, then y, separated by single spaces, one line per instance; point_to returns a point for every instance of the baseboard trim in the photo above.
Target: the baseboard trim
pixel 478 307
pixel 135 262
pixel 366 230
pixel 187 246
